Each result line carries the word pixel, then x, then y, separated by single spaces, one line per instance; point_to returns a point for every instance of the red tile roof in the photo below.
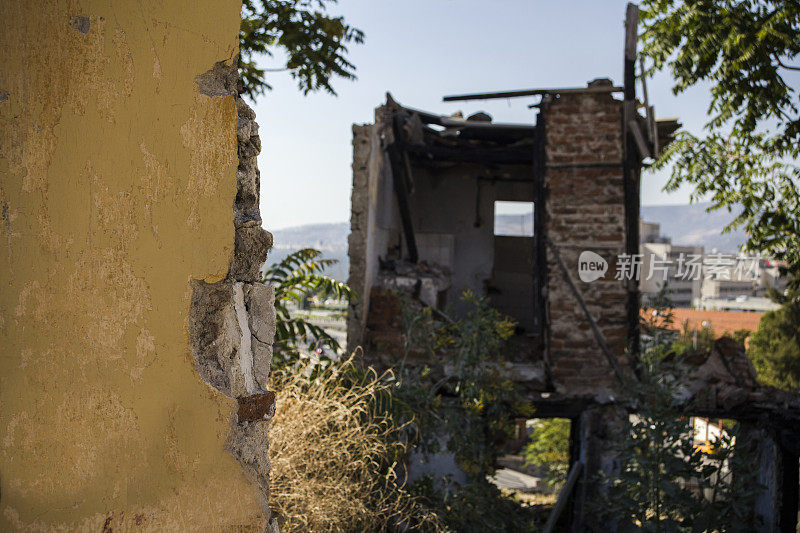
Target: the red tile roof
pixel 720 321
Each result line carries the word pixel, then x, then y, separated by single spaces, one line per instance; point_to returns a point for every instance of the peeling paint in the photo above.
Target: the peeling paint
pixel 107 149
pixel 80 23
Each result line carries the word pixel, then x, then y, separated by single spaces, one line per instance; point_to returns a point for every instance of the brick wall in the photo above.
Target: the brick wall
pixel 585 210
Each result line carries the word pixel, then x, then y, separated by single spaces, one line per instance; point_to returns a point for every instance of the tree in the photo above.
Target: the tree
pixel 549 446
pixel 298 275
pixel 314 43
pixel 775 347
pixel 745 49
pixel 665 482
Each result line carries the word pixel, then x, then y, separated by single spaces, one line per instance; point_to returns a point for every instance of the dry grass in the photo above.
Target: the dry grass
pixel 329 445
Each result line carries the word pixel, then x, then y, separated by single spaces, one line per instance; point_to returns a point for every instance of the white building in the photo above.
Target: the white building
pixel 732 277
pixel 677 267
pixel 704 280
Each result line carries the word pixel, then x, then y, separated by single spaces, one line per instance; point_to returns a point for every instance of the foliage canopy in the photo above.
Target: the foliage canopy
pixel 745 50
pixel 313 42
pixel 775 347
pixel 549 446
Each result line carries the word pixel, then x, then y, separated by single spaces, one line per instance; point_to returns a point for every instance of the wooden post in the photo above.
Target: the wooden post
pixel 790 478
pixel 540 234
pixel 630 169
pixel 563 496
pixel 400 181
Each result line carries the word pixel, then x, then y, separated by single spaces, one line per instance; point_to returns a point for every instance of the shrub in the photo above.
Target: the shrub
pixel 549 446
pixel 333 452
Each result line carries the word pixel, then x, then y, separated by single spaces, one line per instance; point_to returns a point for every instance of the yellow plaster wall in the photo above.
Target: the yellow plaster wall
pixel 118 183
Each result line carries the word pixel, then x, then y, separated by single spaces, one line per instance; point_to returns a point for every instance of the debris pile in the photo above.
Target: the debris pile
pixel 723 379
pixel 422 281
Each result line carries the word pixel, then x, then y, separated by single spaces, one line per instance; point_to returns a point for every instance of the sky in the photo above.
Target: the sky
pixel 422 50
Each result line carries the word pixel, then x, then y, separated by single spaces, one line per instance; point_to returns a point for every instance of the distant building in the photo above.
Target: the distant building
pixel 651 232
pixel 740 303
pixel 667 264
pixel 664 263
pixel 693 278
pixel 738 280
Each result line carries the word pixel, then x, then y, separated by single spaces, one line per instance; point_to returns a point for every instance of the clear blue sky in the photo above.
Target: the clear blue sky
pixel 421 50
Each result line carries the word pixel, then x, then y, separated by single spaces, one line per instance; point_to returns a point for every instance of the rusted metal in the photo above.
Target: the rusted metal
pixel 256 407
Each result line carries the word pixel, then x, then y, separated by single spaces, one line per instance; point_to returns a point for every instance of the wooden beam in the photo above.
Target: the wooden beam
pixel 563 496
pixel 630 170
pixel 638 137
pixel 789 490
pixel 532 92
pixel 540 236
pixel 585 164
pixel 470 155
pixel 400 181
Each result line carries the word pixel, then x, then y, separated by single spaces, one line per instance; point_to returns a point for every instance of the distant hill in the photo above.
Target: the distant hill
pixel 684 224
pixel 331 239
pixel 692 225
pixel 320 236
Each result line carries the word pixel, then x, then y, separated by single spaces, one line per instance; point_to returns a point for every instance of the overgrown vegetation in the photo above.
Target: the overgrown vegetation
pixel 343 433
pixel 469 402
pixel 548 446
pixel 665 482
pixel 775 347
pixel 694 339
pixel 334 453
pixel 476 507
pixel 295 278
pixel 460 399
pixel 311 43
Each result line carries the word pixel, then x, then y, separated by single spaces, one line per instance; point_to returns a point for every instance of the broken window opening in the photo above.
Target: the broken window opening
pixel 534 463
pixel 513 283
pixel 513 219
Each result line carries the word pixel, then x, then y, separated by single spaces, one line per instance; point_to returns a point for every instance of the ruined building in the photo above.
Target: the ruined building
pixel 424 190
pixel 422 222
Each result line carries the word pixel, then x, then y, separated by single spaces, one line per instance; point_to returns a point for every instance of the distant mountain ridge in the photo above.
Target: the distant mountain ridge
pixel 321 236
pixel 684 224
pixel 330 239
pixel 692 225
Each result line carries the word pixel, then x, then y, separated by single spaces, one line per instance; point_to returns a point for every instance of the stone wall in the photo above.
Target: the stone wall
pixel 585 210
pixel 357 240
pixel 232 321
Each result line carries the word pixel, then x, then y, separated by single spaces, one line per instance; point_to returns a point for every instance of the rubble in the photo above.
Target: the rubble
pixel 422 281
